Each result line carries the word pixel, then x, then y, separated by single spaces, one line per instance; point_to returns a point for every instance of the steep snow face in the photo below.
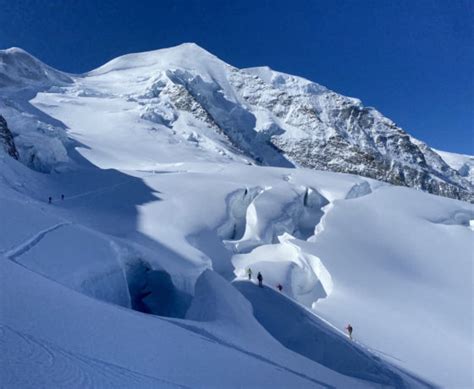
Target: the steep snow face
pixel 189 97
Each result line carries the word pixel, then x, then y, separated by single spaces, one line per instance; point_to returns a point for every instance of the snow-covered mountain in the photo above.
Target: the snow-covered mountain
pixel 264 116
pixel 137 277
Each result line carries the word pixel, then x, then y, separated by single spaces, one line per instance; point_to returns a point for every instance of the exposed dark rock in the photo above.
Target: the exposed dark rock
pixel 6 139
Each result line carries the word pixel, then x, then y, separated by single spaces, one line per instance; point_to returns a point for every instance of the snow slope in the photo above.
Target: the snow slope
pixel 135 279
pixel 464 164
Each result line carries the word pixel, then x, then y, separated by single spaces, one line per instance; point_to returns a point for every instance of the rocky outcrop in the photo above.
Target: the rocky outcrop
pixel 305 125
pixel 320 129
pixel 6 139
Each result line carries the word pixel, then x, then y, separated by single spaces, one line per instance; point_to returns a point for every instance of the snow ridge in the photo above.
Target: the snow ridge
pixel 26 246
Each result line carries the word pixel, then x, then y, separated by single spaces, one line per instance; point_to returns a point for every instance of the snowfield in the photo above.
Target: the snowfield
pixel 138 277
pixel 464 164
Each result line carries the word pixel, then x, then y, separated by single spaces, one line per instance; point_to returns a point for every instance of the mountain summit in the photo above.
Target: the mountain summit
pixel 255 115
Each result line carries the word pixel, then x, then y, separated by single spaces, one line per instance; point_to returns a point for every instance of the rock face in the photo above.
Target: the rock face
pixel 311 126
pixel 338 133
pixel 6 139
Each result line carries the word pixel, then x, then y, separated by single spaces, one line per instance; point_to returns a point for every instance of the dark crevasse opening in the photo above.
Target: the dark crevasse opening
pixel 153 291
pixel 161 297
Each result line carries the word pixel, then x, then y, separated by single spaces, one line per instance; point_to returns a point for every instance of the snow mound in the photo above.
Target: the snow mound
pixel 20 69
pixel 308 335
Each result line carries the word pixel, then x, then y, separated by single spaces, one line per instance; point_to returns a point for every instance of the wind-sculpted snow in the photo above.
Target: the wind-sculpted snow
pixel 238 204
pixel 253 228
pixel 278 210
pixel 304 276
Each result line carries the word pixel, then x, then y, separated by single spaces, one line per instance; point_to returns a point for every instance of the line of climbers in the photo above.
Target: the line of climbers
pixel 349 328
pixel 260 279
pixel 50 199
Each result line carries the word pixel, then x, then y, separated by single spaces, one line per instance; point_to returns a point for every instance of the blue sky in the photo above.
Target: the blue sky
pixel 411 59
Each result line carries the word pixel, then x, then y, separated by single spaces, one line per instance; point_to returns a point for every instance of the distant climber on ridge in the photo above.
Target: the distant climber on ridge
pixel 260 279
pixel 249 273
pixel 280 287
pixel 349 330
pixel 50 199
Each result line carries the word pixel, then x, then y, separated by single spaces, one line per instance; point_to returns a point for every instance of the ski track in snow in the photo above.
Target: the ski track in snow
pixel 97 191
pixel 30 243
pixel 124 182
pixel 61 368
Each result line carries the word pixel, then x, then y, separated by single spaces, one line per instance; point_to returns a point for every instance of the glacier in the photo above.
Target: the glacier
pixel 179 172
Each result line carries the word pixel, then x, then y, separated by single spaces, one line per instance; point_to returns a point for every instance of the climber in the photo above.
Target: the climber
pixel 50 199
pixel 349 330
pixel 62 197
pixel 280 287
pixel 260 279
pixel 249 273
